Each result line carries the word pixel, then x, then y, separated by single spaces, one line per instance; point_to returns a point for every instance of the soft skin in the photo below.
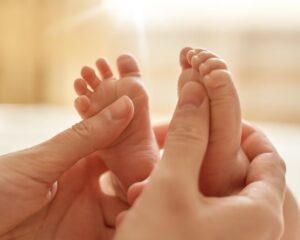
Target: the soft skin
pixel 173 193
pixel 51 191
pixel 225 165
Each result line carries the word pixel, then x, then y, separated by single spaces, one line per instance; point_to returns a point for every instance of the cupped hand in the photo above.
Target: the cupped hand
pixel 51 191
pixel 171 206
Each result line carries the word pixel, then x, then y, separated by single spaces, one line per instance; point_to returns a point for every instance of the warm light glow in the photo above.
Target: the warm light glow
pixel 143 13
pixel 177 11
pixel 132 11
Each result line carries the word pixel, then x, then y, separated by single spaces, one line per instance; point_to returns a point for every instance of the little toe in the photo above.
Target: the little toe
pixel 127 66
pixel 212 64
pixel 183 58
pixel 89 75
pixel 82 105
pixel 104 69
pixel 81 88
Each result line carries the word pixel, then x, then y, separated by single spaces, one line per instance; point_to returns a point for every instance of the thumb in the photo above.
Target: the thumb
pixel 187 138
pixel 47 161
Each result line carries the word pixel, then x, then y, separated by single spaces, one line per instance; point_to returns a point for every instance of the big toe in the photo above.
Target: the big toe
pixel 128 66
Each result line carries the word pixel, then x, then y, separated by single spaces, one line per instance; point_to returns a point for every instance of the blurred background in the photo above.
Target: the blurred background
pixel 44 43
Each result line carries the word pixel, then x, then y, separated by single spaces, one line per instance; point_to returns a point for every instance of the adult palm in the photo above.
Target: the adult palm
pixel 80 209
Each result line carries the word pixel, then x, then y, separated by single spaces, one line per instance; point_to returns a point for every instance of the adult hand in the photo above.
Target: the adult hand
pixel 171 206
pixel 51 191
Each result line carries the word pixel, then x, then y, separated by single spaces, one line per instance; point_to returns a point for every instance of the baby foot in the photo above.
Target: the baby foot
pixel 225 164
pixel 133 155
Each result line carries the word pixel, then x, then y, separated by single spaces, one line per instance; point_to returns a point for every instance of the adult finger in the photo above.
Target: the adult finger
pixel 47 161
pixel 254 142
pixel 187 138
pixel 266 174
pixel 247 130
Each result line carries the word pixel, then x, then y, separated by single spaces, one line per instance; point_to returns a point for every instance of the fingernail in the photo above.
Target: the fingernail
pixel 120 108
pixel 192 95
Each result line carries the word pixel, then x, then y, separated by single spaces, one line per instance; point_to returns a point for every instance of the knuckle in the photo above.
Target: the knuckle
pixel 184 133
pixel 82 129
